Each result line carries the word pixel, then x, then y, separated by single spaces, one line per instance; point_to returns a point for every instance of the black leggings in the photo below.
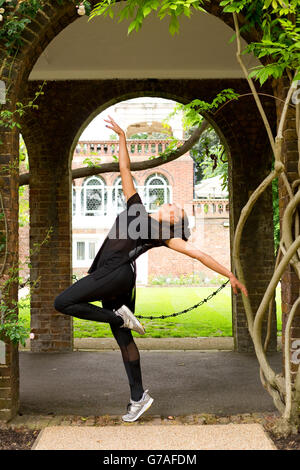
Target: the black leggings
pixel 114 290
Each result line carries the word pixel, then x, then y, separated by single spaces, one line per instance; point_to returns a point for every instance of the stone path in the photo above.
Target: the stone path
pixel 147 437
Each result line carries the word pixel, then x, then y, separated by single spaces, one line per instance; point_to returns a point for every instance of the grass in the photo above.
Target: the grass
pixel 210 319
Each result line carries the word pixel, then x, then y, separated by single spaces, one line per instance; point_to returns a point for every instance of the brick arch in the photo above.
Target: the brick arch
pixel 155 91
pixel 49 22
pixel 148 173
pixel 100 177
pixel 53 18
pixel 120 96
pixel 88 94
pixel 226 123
pixel 115 178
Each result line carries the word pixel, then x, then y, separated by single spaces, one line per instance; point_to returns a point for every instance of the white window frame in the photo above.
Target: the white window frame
pixel 86 238
pixel 167 188
pixel 116 186
pixel 101 186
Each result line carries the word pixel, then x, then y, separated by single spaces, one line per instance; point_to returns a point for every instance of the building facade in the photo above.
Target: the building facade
pixel 98 199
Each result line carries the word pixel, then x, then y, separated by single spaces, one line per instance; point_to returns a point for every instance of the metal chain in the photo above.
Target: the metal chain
pixel 182 311
pixel 187 309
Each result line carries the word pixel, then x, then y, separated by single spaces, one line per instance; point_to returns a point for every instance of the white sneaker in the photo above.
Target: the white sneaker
pixel 136 408
pixel 130 321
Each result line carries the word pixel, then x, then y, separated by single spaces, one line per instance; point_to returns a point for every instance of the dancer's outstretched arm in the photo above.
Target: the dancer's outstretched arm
pixel 191 250
pixel 124 161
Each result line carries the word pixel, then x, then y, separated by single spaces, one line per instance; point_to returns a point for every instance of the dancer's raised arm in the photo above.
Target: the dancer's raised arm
pixel 124 160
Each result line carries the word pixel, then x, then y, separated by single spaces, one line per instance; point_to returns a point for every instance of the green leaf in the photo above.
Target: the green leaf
pixel 146 11
pixel 297 76
pixel 131 27
pixel 174 25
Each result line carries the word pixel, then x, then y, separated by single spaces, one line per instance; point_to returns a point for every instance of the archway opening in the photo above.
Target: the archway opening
pixel 198 180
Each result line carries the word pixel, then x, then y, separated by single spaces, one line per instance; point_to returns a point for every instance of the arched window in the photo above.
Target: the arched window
pixel 157 192
pixel 93 197
pixel 118 198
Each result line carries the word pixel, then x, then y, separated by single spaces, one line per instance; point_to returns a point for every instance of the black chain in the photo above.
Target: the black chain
pixel 182 311
pixel 187 309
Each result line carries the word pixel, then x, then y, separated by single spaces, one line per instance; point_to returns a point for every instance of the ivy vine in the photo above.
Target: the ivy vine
pixel 17 14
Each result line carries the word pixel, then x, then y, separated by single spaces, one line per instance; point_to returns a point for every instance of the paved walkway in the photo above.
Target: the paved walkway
pixel 178 437
pixel 78 398
pixel 181 383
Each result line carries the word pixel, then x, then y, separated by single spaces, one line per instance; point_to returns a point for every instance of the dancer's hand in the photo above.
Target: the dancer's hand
pixel 236 283
pixel 114 126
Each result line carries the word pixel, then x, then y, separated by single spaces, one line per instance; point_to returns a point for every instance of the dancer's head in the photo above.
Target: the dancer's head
pixel 176 216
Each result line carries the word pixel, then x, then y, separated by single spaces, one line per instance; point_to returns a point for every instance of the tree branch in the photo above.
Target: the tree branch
pixel 136 166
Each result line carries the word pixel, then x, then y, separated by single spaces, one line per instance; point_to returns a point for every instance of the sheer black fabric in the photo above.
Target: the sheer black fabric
pixel 134 232
pixel 114 290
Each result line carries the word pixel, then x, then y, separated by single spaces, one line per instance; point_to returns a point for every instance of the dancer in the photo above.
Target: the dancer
pixel 112 275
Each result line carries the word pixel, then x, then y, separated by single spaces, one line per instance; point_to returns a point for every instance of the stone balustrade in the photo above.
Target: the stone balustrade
pixel 110 147
pixel 208 208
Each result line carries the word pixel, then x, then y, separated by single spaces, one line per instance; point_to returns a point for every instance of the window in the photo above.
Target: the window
pixel 117 195
pixel 80 251
pixel 84 251
pixel 93 197
pixel 92 250
pixel 118 198
pixel 157 192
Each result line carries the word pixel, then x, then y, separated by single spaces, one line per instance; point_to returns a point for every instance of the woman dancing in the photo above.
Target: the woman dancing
pixel 112 275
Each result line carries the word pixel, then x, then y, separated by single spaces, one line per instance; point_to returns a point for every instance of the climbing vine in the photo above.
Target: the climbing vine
pixel 16 14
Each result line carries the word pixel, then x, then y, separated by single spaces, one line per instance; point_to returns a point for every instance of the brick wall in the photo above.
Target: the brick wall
pixel 9 366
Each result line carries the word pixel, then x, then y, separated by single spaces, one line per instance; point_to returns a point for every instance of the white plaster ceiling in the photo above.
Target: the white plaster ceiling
pixel 101 49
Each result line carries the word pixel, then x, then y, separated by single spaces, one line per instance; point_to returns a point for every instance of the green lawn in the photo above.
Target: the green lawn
pixel 211 319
